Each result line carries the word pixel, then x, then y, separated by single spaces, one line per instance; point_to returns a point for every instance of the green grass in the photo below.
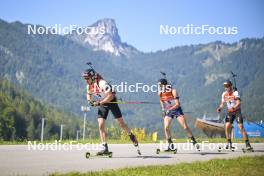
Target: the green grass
pixel 248 166
pixel 118 141
pixel 223 140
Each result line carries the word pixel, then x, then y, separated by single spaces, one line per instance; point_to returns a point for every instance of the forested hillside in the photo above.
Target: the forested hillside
pixel 49 68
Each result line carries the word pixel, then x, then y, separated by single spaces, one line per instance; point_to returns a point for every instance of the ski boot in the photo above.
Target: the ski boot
pixel 248 148
pixel 104 151
pixel 133 139
pixel 195 144
pixel 169 149
pixel 135 142
pixel 229 147
pixel 170 146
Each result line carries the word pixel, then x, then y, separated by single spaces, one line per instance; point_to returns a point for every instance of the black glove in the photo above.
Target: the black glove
pixel 218 109
pixel 96 103
pixel 164 112
pixel 92 103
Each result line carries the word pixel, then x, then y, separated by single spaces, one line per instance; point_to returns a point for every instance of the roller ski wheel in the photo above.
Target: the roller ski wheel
pixel 220 149
pixel 87 155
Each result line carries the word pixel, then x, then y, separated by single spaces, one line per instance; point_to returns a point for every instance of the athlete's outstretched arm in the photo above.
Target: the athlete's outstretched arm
pixel 220 107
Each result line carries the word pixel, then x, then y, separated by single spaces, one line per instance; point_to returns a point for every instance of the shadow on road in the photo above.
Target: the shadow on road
pixel 203 153
pixel 143 156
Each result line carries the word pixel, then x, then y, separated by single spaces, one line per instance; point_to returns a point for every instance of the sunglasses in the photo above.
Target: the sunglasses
pixel 227 85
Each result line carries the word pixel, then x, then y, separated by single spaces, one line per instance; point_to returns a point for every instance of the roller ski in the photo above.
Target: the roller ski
pixel 106 154
pixel 170 149
pixel 174 151
pixel 248 148
pixel 228 147
pixel 135 142
pixel 103 153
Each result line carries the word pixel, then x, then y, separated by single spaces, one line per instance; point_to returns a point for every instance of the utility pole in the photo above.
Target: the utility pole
pixel 61 130
pixel 42 129
pixel 84 109
pixel 77 135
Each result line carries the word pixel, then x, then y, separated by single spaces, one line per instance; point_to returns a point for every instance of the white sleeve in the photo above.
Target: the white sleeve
pixel 236 94
pixel 104 86
pixel 223 97
pixel 87 89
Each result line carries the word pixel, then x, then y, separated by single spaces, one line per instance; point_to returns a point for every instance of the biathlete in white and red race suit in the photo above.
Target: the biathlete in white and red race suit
pixel 231 98
pixel 100 94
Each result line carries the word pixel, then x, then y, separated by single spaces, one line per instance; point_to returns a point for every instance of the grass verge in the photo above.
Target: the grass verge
pixel 248 166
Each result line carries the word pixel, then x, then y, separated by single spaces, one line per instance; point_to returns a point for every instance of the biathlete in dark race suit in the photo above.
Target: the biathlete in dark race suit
pixel 171 108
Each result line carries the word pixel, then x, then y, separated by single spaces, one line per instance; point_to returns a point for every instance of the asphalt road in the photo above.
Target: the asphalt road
pixel 19 160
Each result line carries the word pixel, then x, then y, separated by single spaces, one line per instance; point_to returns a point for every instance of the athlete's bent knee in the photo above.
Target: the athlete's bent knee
pixel 167 128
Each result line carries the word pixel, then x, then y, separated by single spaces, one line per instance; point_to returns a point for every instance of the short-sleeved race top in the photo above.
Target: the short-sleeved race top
pixel 99 90
pixel 230 98
pixel 167 99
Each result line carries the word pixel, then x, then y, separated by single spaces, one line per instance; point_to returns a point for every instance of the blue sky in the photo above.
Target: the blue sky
pixel 138 21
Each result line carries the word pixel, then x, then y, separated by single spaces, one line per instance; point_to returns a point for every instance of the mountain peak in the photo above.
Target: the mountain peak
pixel 106 38
pixel 108 23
